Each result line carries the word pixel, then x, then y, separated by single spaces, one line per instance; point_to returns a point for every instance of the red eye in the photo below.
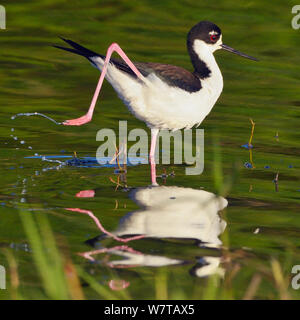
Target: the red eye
pixel 213 38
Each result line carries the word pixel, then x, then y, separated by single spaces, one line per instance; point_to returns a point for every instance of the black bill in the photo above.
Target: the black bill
pixel 227 48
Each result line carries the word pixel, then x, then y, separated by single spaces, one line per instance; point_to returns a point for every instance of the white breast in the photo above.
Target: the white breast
pixel 161 106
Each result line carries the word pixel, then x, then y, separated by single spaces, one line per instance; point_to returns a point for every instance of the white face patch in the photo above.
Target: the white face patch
pixel 202 47
pixel 218 43
pixel 213 33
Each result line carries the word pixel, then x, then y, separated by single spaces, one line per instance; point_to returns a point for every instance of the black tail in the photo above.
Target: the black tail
pixel 78 49
pixel 82 51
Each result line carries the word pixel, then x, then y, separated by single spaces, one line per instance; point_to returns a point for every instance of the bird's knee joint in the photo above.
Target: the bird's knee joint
pixel 114 45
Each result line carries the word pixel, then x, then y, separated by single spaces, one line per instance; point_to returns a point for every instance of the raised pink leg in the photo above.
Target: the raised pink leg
pixel 154 133
pixel 99 225
pixel 88 117
pixel 88 254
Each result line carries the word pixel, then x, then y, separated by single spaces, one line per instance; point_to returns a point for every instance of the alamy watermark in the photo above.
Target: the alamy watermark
pixel 296 279
pixel 138 152
pixel 2 278
pixel 296 18
pixel 2 17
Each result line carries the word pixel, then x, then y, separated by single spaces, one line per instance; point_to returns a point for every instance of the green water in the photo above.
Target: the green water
pixel 36 77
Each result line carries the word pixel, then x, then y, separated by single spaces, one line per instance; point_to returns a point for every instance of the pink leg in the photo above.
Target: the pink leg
pixel 88 117
pixel 88 254
pixel 154 133
pixel 99 225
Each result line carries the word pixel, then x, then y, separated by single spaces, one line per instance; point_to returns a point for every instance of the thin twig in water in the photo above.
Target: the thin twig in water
pixel 116 182
pixel 276 181
pixel 252 132
pixel 251 158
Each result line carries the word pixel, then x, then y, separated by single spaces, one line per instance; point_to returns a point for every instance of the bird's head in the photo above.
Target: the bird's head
pixel 206 37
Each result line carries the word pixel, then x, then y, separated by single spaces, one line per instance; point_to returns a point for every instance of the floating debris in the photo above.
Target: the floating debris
pixel 118 171
pixel 164 175
pixel 85 161
pixel 248 165
pixel 247 146
pixel 276 181
pixel 267 167
pixel 256 231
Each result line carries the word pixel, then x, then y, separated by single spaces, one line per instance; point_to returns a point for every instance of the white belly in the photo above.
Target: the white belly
pixel 159 105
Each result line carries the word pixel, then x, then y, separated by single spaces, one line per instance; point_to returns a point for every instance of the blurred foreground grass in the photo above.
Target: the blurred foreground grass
pixel 61 279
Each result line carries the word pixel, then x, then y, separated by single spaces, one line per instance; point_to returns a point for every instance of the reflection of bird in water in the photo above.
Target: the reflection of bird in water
pixel 132 259
pixel 207 266
pixel 173 212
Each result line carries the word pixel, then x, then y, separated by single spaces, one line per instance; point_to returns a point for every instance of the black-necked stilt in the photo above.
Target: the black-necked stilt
pixel 163 96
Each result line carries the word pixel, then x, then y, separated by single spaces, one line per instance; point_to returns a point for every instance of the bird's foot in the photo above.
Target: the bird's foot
pixel 78 122
pixel 154 184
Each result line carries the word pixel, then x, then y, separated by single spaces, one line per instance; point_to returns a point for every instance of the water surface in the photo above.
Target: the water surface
pixel 261 221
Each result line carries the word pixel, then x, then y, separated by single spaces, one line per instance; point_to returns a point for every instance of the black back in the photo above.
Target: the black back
pixel 172 75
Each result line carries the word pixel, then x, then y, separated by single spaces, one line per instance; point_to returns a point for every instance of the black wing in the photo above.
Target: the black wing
pixel 174 76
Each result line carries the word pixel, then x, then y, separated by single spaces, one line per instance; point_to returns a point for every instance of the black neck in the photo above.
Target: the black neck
pixel 200 68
